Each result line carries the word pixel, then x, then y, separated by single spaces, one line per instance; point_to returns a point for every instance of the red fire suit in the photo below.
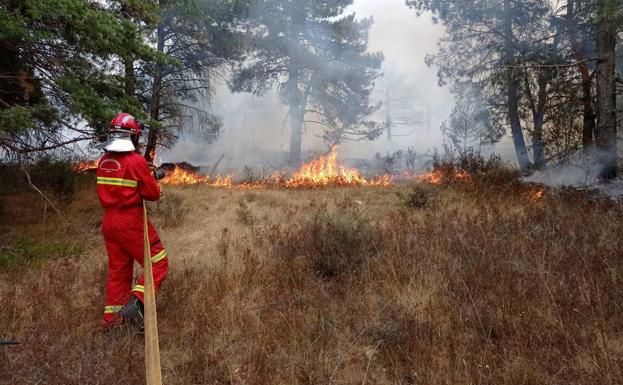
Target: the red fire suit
pixel 123 181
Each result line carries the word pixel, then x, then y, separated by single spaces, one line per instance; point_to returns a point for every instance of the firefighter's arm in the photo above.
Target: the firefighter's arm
pixel 147 185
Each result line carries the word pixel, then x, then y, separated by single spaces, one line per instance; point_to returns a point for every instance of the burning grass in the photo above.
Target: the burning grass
pixel 481 284
pixel 321 172
pixel 324 171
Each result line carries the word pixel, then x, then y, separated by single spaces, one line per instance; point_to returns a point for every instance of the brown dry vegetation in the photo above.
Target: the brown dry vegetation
pixel 456 284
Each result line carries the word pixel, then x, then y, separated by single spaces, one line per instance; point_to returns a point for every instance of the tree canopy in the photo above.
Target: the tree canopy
pixel 317 57
pixel 540 66
pixel 58 71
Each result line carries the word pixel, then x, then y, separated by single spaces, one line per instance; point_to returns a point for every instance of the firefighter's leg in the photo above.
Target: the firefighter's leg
pixel 159 260
pixel 118 284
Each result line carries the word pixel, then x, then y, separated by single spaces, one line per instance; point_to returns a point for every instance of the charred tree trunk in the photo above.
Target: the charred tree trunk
pixel 156 92
pixel 588 126
pixel 512 90
pixel 606 133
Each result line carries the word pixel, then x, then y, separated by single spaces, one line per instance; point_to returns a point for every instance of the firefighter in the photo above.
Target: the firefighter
pixel 124 180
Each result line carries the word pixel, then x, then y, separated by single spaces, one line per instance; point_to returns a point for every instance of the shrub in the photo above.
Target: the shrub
pixel 419 197
pixel 170 211
pixel 334 242
pixel 56 175
pixel 492 171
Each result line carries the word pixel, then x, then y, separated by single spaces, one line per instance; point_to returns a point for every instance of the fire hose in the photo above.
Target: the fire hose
pixel 153 371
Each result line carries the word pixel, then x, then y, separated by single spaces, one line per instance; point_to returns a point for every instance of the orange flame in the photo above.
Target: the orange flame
pixel 320 172
pixel 536 195
pixel 84 167
pixel 179 176
pixel 326 171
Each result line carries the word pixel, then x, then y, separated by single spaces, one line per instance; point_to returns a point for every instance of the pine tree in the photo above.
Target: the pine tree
pixel 317 56
pixel 200 41
pixel 58 60
pixel 469 124
pixel 486 43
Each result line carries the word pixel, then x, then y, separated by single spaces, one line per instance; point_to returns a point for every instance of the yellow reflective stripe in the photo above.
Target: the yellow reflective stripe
pixel 112 309
pixel 140 288
pixel 117 182
pixel 159 257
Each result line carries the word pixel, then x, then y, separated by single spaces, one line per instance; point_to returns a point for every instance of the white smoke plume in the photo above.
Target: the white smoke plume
pixel 581 171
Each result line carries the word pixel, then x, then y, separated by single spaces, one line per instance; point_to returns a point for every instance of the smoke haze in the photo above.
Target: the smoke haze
pixel 255 130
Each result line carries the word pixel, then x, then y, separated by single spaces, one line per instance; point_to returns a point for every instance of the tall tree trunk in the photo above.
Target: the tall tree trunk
pixel 296 113
pixel 539 118
pixel 512 90
pixel 156 91
pixel 128 63
pixel 588 127
pixel 606 133
pixel 296 137
pixel 129 77
pixel 388 115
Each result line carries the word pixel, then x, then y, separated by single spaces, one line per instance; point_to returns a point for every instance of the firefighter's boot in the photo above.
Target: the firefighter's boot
pixel 133 312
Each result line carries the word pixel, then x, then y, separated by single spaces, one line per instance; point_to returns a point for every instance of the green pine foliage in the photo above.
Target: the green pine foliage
pixel 59 61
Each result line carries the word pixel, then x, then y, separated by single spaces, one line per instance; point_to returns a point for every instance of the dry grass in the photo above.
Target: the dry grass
pixel 480 284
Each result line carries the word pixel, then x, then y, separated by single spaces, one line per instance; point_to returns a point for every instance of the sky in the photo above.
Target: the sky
pixel 256 127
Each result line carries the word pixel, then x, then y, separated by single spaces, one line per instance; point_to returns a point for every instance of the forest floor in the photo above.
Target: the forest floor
pixel 461 283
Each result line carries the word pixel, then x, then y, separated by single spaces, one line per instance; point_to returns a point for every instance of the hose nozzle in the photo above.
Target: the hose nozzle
pixel 159 173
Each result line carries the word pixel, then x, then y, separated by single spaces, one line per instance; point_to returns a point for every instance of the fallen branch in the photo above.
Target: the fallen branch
pixel 42 194
pixel 218 162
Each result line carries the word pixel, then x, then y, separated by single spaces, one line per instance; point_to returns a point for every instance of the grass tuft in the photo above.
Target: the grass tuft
pixel 170 211
pixel 23 250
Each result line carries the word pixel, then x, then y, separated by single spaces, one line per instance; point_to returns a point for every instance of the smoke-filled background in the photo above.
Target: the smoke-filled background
pixel 255 132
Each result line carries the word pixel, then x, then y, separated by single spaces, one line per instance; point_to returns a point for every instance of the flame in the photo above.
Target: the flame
pixel 84 167
pixel 325 171
pixel 320 172
pixel 179 176
pixel 536 195
pixel 226 181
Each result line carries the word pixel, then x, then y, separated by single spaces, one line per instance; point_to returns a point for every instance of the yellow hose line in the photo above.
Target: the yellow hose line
pixel 153 372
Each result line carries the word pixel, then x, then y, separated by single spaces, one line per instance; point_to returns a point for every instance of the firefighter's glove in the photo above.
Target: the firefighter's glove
pixel 159 173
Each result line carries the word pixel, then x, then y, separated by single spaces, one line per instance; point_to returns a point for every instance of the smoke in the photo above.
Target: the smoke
pixel 255 131
pixel 582 171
